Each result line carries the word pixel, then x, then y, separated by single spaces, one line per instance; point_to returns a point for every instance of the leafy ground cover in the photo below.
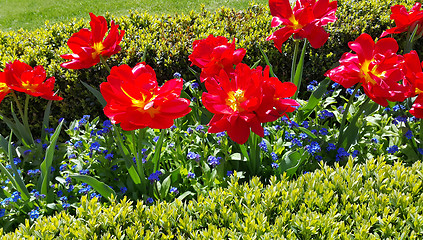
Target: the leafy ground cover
pixel 186 137
pixel 27 14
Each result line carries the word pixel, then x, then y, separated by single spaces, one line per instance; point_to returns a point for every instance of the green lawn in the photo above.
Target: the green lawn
pixel 31 14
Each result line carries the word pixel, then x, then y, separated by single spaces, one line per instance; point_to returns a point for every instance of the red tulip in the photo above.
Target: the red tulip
pixel 376 66
pixel 244 101
pixel 214 54
pixel 135 100
pixel 4 89
pixel 87 46
pixel 23 78
pixel 305 20
pixel 406 21
pixel 414 76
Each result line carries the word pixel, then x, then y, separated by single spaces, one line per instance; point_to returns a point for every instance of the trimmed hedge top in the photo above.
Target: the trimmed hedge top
pixel 369 201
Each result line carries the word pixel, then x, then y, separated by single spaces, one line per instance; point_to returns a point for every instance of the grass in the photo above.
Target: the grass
pixel 30 14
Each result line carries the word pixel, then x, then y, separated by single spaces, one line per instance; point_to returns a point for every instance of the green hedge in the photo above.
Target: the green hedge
pixel 167 41
pixel 369 201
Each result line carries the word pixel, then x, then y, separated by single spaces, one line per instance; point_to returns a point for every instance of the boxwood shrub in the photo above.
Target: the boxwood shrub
pixel 166 41
pixel 374 200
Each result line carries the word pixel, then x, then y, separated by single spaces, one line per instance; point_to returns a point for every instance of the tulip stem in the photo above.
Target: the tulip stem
pixel 294 59
pixel 345 115
pixel 410 39
pixel 103 61
pixel 18 104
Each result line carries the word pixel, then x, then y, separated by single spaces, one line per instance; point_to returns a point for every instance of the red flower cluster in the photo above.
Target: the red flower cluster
pixel 135 100
pixel 376 66
pixel 214 54
pixel 305 20
pixel 87 46
pixel 246 99
pixel 21 77
pixel 406 21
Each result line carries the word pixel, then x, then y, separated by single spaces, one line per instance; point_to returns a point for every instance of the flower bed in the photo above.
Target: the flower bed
pixel 184 138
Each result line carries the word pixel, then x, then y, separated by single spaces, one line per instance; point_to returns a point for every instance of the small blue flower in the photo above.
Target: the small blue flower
pixel 341 153
pixel 114 167
pixel 323 131
pixel 193 155
pixel 59 193
pixel 318 157
pixel 173 190
pixel 195 85
pixel 409 134
pixel 199 128
pixel 330 147
pixel 49 130
pixel 263 146
pixel 189 130
pixel 123 190
pixel 70 188
pixel 313 148
pixel 16 160
pixel 293 124
pixel 305 124
pixel 16 196
pixel 63 167
pixel 78 144
pixel 95 146
pixel 297 142
pixel 334 85
pixel 66 205
pixel 375 140
pixel 109 156
pixel 2 212
pixel 420 150
pixel 221 134
pixel 325 114
pixel 63 199
pixel 275 165
pixel 310 88
pixel 84 172
pixel 303 135
pixel 107 124
pixel 392 149
pixel 84 120
pixel 266 132
pixel 155 176
pixel 274 156
pixel 176 75
pixel 34 214
pixel 156 138
pixel 229 173
pixel 355 153
pixel 213 161
pixel 150 200
pixel 27 152
pixel 288 136
pixel 191 175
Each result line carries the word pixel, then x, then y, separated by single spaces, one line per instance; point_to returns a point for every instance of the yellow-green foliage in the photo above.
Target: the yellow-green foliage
pixel 369 201
pixel 167 41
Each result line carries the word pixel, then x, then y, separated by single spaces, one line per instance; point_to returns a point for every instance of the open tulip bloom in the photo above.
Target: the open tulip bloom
pixel 414 75
pixel 406 21
pixel 87 46
pixel 214 54
pixel 135 100
pixel 305 20
pixel 21 77
pixel 376 66
pixel 4 89
pixel 246 100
